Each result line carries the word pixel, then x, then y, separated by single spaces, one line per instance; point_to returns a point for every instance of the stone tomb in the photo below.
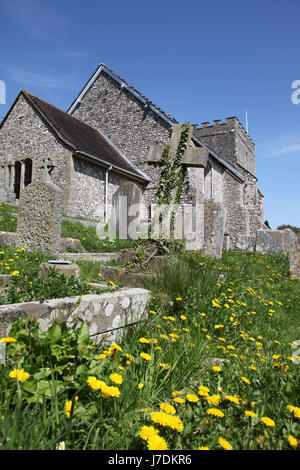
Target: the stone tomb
pixel 105 314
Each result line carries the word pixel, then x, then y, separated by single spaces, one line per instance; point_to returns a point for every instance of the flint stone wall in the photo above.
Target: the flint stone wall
pixel 109 312
pixel 40 216
pixel 270 241
pixel 25 135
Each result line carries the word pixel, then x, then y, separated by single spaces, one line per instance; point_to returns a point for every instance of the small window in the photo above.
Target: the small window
pixel 27 171
pixel 17 182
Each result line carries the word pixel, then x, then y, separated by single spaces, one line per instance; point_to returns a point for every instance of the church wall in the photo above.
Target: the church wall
pixel 88 189
pixel 125 121
pixel 25 135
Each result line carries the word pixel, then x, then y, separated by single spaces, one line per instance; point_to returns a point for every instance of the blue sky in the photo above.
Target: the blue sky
pixel 197 60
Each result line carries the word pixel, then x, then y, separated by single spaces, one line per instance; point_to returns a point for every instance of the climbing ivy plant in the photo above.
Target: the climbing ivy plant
pixel 173 173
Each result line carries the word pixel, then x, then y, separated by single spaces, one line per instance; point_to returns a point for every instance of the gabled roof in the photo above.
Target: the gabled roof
pixel 82 138
pixel 102 68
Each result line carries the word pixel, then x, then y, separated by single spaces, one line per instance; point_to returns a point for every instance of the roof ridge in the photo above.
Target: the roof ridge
pixel 46 114
pixel 128 85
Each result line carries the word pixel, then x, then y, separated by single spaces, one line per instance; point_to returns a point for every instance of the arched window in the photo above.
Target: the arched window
pixel 27 171
pixel 17 182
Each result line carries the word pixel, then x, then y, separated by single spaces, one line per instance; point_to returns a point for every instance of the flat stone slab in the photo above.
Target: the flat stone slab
pixel 67 270
pixel 105 314
pixel 120 275
pixel 93 257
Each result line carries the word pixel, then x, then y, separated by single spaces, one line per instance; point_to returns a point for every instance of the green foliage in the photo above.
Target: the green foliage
pixel 89 239
pixel 240 311
pixel 53 285
pixel 172 174
pixel 291 227
pixel 8 222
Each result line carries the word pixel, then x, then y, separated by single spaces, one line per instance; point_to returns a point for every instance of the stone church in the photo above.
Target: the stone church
pixel 103 147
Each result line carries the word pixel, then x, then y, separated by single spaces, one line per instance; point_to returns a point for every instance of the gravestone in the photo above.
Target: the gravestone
pixel 41 208
pixel 214 227
pixel 295 263
pixel 269 241
pixel 188 222
pixel 127 211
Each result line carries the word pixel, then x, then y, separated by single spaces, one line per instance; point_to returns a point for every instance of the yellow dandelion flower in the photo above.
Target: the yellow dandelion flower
pixel 293 441
pixel 15 273
pixel 216 368
pixel 191 397
pixel 203 391
pixel 213 399
pixel 268 421
pixel 145 356
pixel 203 448
pixel 19 374
pixel 94 383
pixel 215 303
pixel 167 408
pixel 295 410
pixel 157 442
pixel 147 431
pixel 225 444
pixel 165 419
pixel 130 357
pixel 244 379
pixel 116 378
pixel 144 340
pixel 68 408
pixel 250 413
pixel 140 386
pixel 164 337
pixel 178 400
pixel 233 399
pixel 165 366
pixel 215 412
pixel 8 340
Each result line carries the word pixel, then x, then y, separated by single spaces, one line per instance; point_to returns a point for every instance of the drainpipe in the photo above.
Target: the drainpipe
pixel 106 193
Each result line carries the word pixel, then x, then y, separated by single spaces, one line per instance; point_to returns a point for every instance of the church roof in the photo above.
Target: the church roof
pixel 82 138
pixel 149 105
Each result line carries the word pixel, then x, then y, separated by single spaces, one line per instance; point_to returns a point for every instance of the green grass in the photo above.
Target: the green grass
pixel 88 237
pixel 242 309
pixel 8 222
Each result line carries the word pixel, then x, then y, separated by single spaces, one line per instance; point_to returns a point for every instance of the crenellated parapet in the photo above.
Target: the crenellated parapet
pixel 229 139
